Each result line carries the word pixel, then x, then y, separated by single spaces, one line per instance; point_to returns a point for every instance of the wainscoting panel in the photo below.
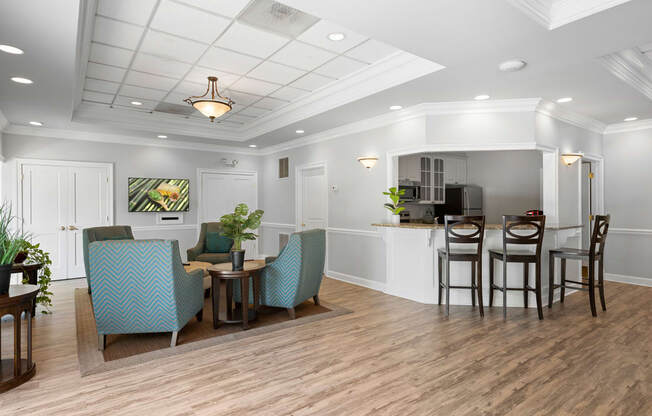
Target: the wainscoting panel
pixel 186 234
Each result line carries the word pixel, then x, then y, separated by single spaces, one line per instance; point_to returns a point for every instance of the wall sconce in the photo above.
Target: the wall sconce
pixel 368 161
pixel 570 158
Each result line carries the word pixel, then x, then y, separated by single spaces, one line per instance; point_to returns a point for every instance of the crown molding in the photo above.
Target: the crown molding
pixel 123 139
pixel 567 116
pixel 618 64
pixel 629 126
pixel 417 111
pixel 553 14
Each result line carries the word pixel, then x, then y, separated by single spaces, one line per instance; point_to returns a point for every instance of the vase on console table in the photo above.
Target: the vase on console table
pixel 396 219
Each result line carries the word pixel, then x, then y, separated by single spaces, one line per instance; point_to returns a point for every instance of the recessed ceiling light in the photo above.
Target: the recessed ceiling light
pixel 336 36
pixel 512 65
pixel 252 145
pixel 300 132
pixel 565 100
pixel 36 123
pixel 11 49
pixel 22 80
pixel 136 103
pixel 481 97
pixel 162 136
pixel 395 107
pixel 631 119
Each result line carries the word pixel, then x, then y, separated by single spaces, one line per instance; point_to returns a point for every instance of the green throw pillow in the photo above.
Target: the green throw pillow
pixel 217 243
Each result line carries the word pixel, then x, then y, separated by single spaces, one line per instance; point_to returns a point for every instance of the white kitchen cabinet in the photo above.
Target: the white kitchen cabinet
pixel 409 168
pixel 455 170
pixel 432 179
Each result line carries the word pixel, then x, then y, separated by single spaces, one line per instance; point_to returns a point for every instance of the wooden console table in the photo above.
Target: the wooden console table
pixel 16 371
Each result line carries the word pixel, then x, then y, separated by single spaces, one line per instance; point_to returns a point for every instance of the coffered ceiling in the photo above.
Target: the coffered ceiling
pixel 147 56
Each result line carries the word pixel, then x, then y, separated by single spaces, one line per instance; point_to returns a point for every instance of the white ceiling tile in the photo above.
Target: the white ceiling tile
pixel 254 86
pixel 318 33
pixel 126 102
pixel 228 61
pixel 140 92
pixel 246 39
pixel 172 47
pixel 237 107
pixel 289 93
pixel 200 75
pixel 270 103
pixel 191 88
pixel 110 55
pixel 253 111
pixel 176 98
pixel 312 81
pixel 371 51
pixel 97 97
pixel 137 12
pixel 160 66
pixel 105 72
pixel 188 22
pixel 273 72
pixel 116 33
pixel 241 99
pixel 229 8
pixel 302 56
pixel 98 85
pixel 142 79
pixel 340 67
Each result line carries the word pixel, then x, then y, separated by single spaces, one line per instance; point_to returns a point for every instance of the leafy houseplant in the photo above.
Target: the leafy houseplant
pixel 36 255
pixel 395 207
pixel 11 242
pixel 235 227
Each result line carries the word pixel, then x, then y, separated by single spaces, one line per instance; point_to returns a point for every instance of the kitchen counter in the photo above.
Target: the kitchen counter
pixel 423 226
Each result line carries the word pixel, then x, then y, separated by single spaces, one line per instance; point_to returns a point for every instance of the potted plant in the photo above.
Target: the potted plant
pixel 235 227
pixel 395 207
pixel 23 253
pixel 11 242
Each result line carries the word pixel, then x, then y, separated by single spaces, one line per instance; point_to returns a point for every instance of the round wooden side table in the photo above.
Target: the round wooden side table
pixel 16 371
pixel 223 271
pixel 30 273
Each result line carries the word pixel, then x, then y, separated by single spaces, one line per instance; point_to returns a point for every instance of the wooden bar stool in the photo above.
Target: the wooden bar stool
pixel 533 228
pixel 475 225
pixel 598 237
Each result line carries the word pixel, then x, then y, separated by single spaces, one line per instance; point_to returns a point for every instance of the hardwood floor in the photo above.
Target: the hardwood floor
pixel 390 357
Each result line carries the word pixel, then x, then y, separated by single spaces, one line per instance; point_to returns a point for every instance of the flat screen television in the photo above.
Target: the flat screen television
pixel 158 195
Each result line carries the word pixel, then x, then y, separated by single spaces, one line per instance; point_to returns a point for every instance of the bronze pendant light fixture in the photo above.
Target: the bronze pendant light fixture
pixel 213 107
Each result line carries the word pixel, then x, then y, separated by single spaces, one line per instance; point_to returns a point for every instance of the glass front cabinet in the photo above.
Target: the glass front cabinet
pixel 432 179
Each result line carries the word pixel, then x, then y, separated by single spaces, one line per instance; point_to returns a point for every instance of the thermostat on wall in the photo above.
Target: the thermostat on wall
pixel 169 218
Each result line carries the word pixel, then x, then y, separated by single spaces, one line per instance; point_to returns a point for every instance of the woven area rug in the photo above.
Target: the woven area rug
pixel 132 349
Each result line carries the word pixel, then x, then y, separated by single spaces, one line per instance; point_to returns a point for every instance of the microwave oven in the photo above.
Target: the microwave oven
pixel 412 192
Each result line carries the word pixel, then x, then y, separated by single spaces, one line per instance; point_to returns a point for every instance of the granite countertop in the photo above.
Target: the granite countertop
pixel 420 226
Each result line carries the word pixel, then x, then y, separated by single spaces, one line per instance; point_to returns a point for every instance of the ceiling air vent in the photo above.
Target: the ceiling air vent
pixel 277 17
pixel 182 110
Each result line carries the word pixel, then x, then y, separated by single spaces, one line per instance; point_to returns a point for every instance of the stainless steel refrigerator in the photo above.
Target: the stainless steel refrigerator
pixel 463 200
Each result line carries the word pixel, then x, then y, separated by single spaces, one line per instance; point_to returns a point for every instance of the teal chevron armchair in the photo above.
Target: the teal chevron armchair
pixel 296 274
pixel 114 232
pixel 141 286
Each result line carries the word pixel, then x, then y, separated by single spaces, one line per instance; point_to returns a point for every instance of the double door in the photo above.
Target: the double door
pixel 56 201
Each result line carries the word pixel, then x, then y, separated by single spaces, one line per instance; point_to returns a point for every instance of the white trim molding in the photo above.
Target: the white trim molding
pixel 278 225
pixel 631 231
pixel 170 227
pixel 628 126
pixel 631 280
pixel 552 14
pixel 571 117
pixel 351 231
pixel 3 122
pixel 355 280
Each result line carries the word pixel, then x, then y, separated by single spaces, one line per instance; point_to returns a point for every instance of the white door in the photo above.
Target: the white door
pixel 313 198
pixel 221 192
pixel 58 200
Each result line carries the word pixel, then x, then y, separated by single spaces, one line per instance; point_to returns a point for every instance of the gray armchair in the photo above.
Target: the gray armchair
pixel 199 253
pixel 89 235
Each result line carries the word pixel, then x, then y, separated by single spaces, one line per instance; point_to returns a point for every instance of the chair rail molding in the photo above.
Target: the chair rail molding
pixel 631 231
pixel 278 225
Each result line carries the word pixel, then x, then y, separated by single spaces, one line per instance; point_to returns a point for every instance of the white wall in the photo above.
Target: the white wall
pixel 628 198
pixel 128 161
pixel 510 181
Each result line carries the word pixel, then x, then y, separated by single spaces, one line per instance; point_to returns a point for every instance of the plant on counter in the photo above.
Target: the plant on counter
pixel 235 227
pixel 395 195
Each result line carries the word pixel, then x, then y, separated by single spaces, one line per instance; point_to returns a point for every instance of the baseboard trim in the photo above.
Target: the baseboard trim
pixel 631 280
pixel 358 281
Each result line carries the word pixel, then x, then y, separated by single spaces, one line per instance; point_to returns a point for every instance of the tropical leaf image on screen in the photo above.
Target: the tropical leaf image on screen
pixel 155 195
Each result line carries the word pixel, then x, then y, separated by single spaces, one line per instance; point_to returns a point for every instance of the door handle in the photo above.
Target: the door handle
pixel 72 228
pixel 62 228
pixel 303 225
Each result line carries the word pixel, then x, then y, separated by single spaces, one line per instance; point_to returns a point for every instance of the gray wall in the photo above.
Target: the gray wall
pixel 628 198
pixel 510 181
pixel 128 161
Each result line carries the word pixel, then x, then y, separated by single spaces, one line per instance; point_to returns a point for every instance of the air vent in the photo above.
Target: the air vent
pixel 277 17
pixel 182 110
